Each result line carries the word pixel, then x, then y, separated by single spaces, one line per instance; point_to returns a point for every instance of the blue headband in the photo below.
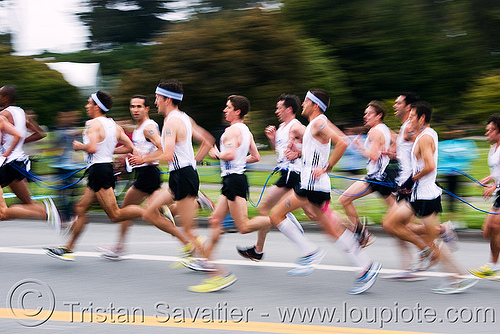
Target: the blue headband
pixel 316 100
pixel 98 102
pixel 167 93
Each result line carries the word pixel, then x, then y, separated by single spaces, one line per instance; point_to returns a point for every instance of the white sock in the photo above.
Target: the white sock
pixel 292 232
pixel 353 250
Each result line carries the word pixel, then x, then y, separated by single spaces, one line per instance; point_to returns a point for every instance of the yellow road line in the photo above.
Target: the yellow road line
pixel 208 324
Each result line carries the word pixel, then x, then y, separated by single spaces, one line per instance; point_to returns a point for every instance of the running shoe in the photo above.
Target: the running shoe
pixel 404 276
pixel 165 211
pixel 62 253
pixel 486 271
pixel 295 221
pixel 366 281
pixel 204 202
pixel 186 251
pixel 456 286
pixel 198 265
pixel 424 260
pixel 53 217
pixel 364 237
pixel 110 253
pixel 250 253
pixel 307 264
pixel 215 283
pixel 449 235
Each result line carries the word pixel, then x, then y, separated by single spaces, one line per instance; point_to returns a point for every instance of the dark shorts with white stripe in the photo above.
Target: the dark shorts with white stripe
pixel 184 182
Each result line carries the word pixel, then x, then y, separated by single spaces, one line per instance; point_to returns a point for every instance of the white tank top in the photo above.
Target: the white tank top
pixel 403 152
pixel 19 118
pixel 105 148
pixel 314 154
pixel 494 163
pixel 141 144
pixel 239 163
pixel 183 151
pixel 375 169
pixel 426 187
pixel 281 143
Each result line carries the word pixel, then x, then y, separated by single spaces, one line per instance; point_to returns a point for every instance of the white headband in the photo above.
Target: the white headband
pixel 98 102
pixel 167 93
pixel 316 100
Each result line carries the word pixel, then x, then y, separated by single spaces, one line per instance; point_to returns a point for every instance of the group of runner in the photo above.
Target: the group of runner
pixel 402 167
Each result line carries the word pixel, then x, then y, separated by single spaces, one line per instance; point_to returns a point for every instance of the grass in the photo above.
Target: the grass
pixel 372 206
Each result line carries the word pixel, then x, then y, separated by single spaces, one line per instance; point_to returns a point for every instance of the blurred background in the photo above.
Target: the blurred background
pixel 58 51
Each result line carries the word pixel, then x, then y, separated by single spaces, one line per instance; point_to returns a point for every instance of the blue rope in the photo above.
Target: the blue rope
pixel 469 204
pixel 262 192
pixel 462 173
pixel 41 184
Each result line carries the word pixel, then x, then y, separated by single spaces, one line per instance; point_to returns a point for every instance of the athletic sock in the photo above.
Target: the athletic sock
pixel 347 242
pixel 292 232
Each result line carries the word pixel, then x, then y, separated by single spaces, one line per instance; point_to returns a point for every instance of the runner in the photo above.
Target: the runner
pixel 378 177
pixel 16 164
pixel 176 139
pixel 100 137
pixel 425 203
pixel 146 139
pixel 287 141
pixel 314 192
pixel 491 226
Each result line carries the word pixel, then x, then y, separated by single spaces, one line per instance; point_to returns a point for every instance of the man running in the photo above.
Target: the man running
pixel 491 226
pixel 146 139
pixel 14 167
pixel 425 203
pixel 378 180
pixel 314 192
pixel 177 149
pixel 100 137
pixel 287 141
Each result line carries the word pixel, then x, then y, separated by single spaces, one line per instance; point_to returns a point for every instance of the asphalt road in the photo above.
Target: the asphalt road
pixel 144 294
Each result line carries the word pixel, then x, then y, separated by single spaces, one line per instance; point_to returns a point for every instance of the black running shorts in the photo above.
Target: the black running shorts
pixel 426 207
pixel 9 173
pixel 100 176
pixel 147 179
pixel 288 180
pixel 317 198
pixel 184 182
pixel 234 185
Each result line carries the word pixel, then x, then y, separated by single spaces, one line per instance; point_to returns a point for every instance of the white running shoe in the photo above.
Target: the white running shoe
pixel 366 281
pixel 110 253
pixel 307 264
pixel 205 202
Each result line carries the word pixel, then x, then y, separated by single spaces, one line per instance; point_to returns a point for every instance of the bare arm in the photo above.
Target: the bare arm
pixel 205 138
pixel 426 148
pixel 295 137
pixel 254 155
pixel 92 132
pixel 37 131
pixel 123 139
pixel 270 132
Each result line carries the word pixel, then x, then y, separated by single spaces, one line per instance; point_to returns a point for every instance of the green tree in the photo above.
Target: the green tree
pixel 252 53
pixel 40 88
pixel 386 46
pixel 482 99
pixel 113 22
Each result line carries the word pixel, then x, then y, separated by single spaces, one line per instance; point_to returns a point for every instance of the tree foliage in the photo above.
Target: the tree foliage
pixel 387 46
pixel 113 22
pixel 482 99
pixel 40 88
pixel 252 53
